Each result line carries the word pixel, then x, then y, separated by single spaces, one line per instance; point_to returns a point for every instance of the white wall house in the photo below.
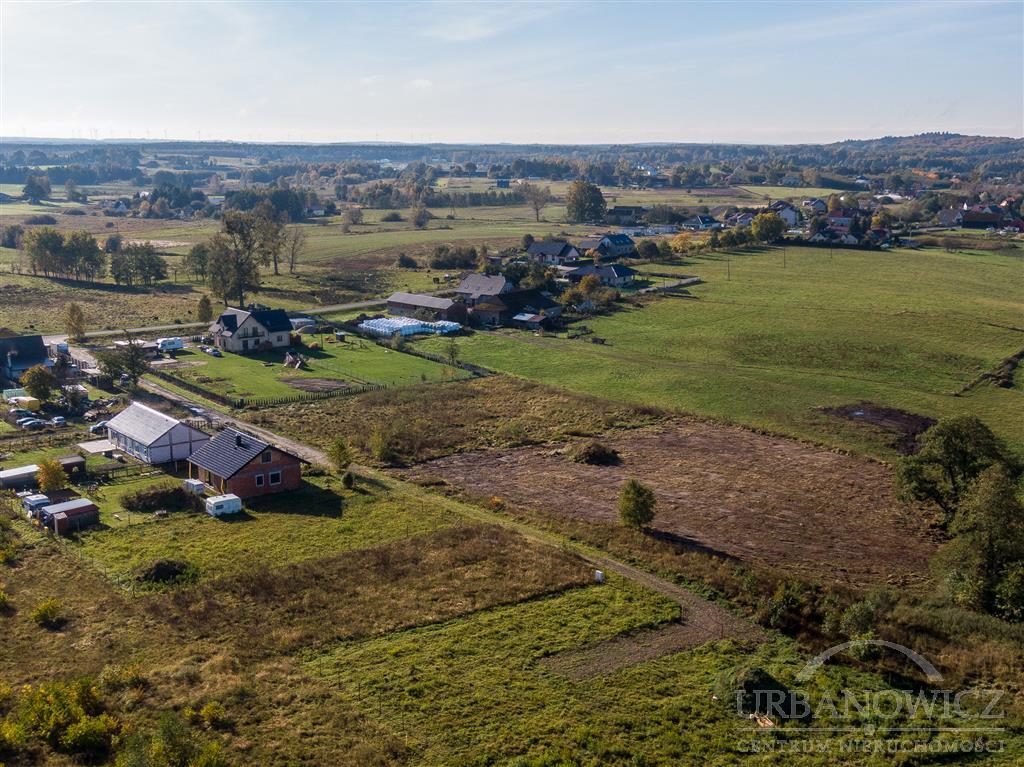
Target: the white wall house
pixel 152 436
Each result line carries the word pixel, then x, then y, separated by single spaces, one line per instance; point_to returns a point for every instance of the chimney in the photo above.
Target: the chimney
pixel 238 441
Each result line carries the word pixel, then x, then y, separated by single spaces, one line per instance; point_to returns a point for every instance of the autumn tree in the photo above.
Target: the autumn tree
pixel 537 197
pixel 51 476
pixel 74 321
pixel 39 381
pixel 584 202
pixel 131 361
pixel 681 243
pixel 37 188
pixel 767 227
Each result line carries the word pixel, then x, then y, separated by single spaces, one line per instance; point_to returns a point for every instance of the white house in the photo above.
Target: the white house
pixel 239 331
pixel 153 437
pixel 786 212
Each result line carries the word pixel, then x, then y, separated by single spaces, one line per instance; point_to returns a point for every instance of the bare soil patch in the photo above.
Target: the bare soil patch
pixel 723 490
pixel 904 427
pixel 315 384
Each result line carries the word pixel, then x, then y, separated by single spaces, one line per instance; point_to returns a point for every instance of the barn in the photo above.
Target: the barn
pixel 153 437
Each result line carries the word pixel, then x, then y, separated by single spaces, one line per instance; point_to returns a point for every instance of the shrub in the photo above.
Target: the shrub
pixel 348 480
pixel 636 504
pixel 406 262
pixel 170 497
pixel 43 218
pixel 1010 593
pixel 752 690
pixel 214 714
pixel 392 216
pixel 90 736
pixel 74 212
pixel 596 454
pixel 168 572
pixel 48 613
pixel 339 454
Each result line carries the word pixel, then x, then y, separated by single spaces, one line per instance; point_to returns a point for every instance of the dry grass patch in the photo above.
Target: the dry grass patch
pixel 430 421
pixel 415 581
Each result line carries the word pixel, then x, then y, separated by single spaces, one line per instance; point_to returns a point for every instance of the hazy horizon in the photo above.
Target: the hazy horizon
pixel 529 73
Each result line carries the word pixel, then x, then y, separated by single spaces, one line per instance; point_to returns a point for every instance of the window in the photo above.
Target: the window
pixel 275 478
pixel 259 480
pixel 267 457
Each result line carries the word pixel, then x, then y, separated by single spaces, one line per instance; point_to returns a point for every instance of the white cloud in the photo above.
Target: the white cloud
pixel 421 84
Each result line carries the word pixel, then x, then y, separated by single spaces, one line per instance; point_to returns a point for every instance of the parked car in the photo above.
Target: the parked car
pixel 58 420
pixel 34 423
pixel 20 412
pixel 197 411
pixel 23 421
pixel 213 351
pixel 98 428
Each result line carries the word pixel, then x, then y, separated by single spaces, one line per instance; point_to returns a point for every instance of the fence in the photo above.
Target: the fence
pixel 19 441
pixel 476 370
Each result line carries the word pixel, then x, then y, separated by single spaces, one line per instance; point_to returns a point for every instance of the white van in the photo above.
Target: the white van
pixel 169 344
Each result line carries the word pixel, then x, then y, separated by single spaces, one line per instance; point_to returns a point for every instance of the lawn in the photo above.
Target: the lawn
pixel 356 362
pixel 766 345
pixel 317 521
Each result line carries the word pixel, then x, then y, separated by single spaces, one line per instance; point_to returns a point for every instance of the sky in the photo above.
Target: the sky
pixel 514 72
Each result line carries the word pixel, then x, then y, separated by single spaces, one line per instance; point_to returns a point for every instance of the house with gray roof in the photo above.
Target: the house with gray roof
pixel 240 464
pixel 19 353
pixel 475 287
pixel 153 437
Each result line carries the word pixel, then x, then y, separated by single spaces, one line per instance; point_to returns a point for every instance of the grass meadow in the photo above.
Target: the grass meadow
pixel 766 346
pixel 356 362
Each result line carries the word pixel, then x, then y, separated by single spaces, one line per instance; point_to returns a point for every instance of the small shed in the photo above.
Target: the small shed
pixel 219 505
pixel 73 465
pixel 70 516
pixel 33 503
pixel 20 478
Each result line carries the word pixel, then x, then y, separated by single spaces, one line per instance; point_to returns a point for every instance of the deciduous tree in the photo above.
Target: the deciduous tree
pixel 584 202
pixel 52 476
pixel 74 321
pixel 39 382
pixel 537 197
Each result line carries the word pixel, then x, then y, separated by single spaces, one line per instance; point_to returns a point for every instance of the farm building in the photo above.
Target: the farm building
pixel 625 215
pixel 500 310
pixel 70 516
pixel 153 437
pixel 20 478
pixel 73 465
pixel 19 353
pixel 413 304
pixel 475 287
pixel 240 331
pixel 237 463
pixel 786 211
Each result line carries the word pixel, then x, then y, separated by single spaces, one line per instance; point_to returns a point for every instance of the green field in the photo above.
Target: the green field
pixel 317 521
pixel 264 375
pixel 765 346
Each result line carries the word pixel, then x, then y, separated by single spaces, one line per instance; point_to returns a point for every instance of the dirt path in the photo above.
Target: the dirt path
pixel 700 620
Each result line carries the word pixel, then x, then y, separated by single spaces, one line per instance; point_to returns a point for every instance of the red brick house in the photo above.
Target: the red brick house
pixel 239 463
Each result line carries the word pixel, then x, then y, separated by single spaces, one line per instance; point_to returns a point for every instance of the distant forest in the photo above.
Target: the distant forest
pixel 974 159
